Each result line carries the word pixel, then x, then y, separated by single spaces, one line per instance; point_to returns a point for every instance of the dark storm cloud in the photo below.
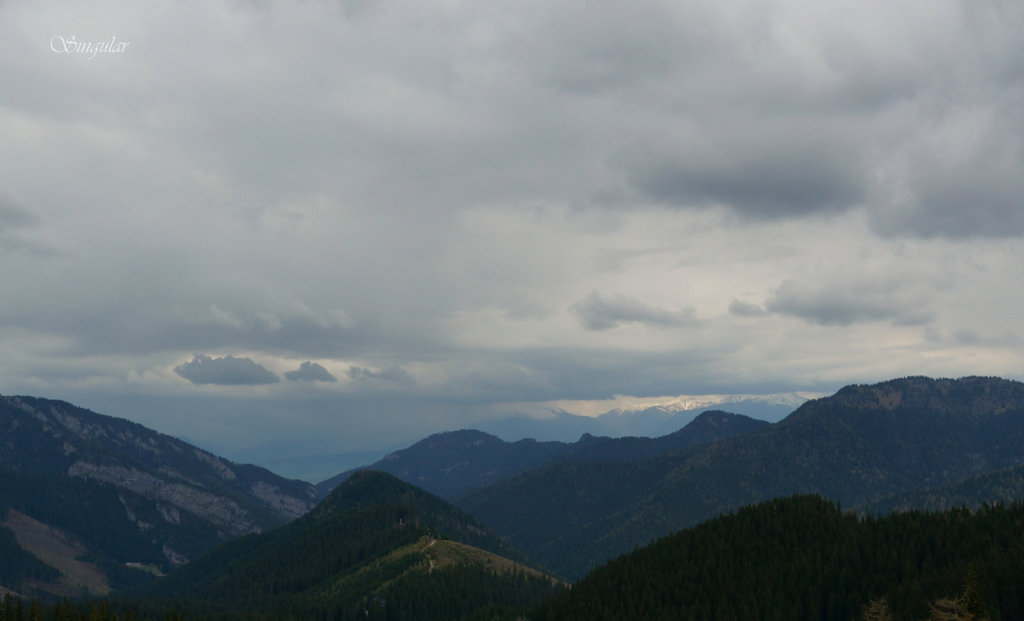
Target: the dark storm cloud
pixel 842 303
pixel 964 179
pixel 598 312
pixel 784 176
pixel 921 127
pixel 226 371
pixel 392 374
pixel 310 372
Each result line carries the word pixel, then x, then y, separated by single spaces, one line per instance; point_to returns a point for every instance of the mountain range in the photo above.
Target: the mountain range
pixel 451 464
pixel 92 504
pixel 645 417
pixel 860 445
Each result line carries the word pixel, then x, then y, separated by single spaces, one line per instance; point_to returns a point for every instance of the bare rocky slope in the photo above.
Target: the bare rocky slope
pixel 128 495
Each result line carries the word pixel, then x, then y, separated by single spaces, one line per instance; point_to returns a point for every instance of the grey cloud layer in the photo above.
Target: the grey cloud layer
pixel 443 201
pixel 226 371
pixel 843 303
pixel 598 312
pixel 773 112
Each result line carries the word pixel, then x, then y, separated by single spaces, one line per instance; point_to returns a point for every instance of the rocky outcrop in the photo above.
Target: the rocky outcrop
pixel 224 512
pixel 166 500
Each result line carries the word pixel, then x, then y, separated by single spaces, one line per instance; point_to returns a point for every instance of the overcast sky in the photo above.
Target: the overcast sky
pixel 356 222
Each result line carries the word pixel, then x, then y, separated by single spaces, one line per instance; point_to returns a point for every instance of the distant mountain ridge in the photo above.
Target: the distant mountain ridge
pixel 644 417
pixel 861 444
pixel 453 463
pixel 128 494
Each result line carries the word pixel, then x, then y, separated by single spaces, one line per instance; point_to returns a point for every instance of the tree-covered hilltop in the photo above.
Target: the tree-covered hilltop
pixel 375 546
pixel 804 558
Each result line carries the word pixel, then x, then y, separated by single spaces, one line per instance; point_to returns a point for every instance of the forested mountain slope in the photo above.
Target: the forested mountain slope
pixel 861 444
pixel 972 492
pixel 803 558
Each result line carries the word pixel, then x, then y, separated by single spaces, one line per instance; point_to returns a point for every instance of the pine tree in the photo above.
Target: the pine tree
pixel 876 610
pixel 951 610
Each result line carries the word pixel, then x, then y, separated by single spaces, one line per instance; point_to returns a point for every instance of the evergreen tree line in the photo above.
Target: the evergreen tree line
pixel 804 558
pixel 15 609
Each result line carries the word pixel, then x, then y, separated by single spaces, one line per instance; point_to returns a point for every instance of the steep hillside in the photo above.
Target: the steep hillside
pixel 861 444
pixel 803 558
pixel 451 464
pixel 370 544
pixel 123 494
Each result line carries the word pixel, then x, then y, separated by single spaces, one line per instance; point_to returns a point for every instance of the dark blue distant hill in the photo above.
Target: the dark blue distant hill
pixel 454 463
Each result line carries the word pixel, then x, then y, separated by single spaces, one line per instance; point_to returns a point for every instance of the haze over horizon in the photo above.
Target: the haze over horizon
pixel 336 226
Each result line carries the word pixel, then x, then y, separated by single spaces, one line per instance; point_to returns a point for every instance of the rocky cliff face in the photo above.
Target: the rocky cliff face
pixel 178 498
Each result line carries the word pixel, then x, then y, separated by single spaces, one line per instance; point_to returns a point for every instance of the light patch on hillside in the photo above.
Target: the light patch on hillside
pixel 427 555
pixel 57 549
pixel 443 553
